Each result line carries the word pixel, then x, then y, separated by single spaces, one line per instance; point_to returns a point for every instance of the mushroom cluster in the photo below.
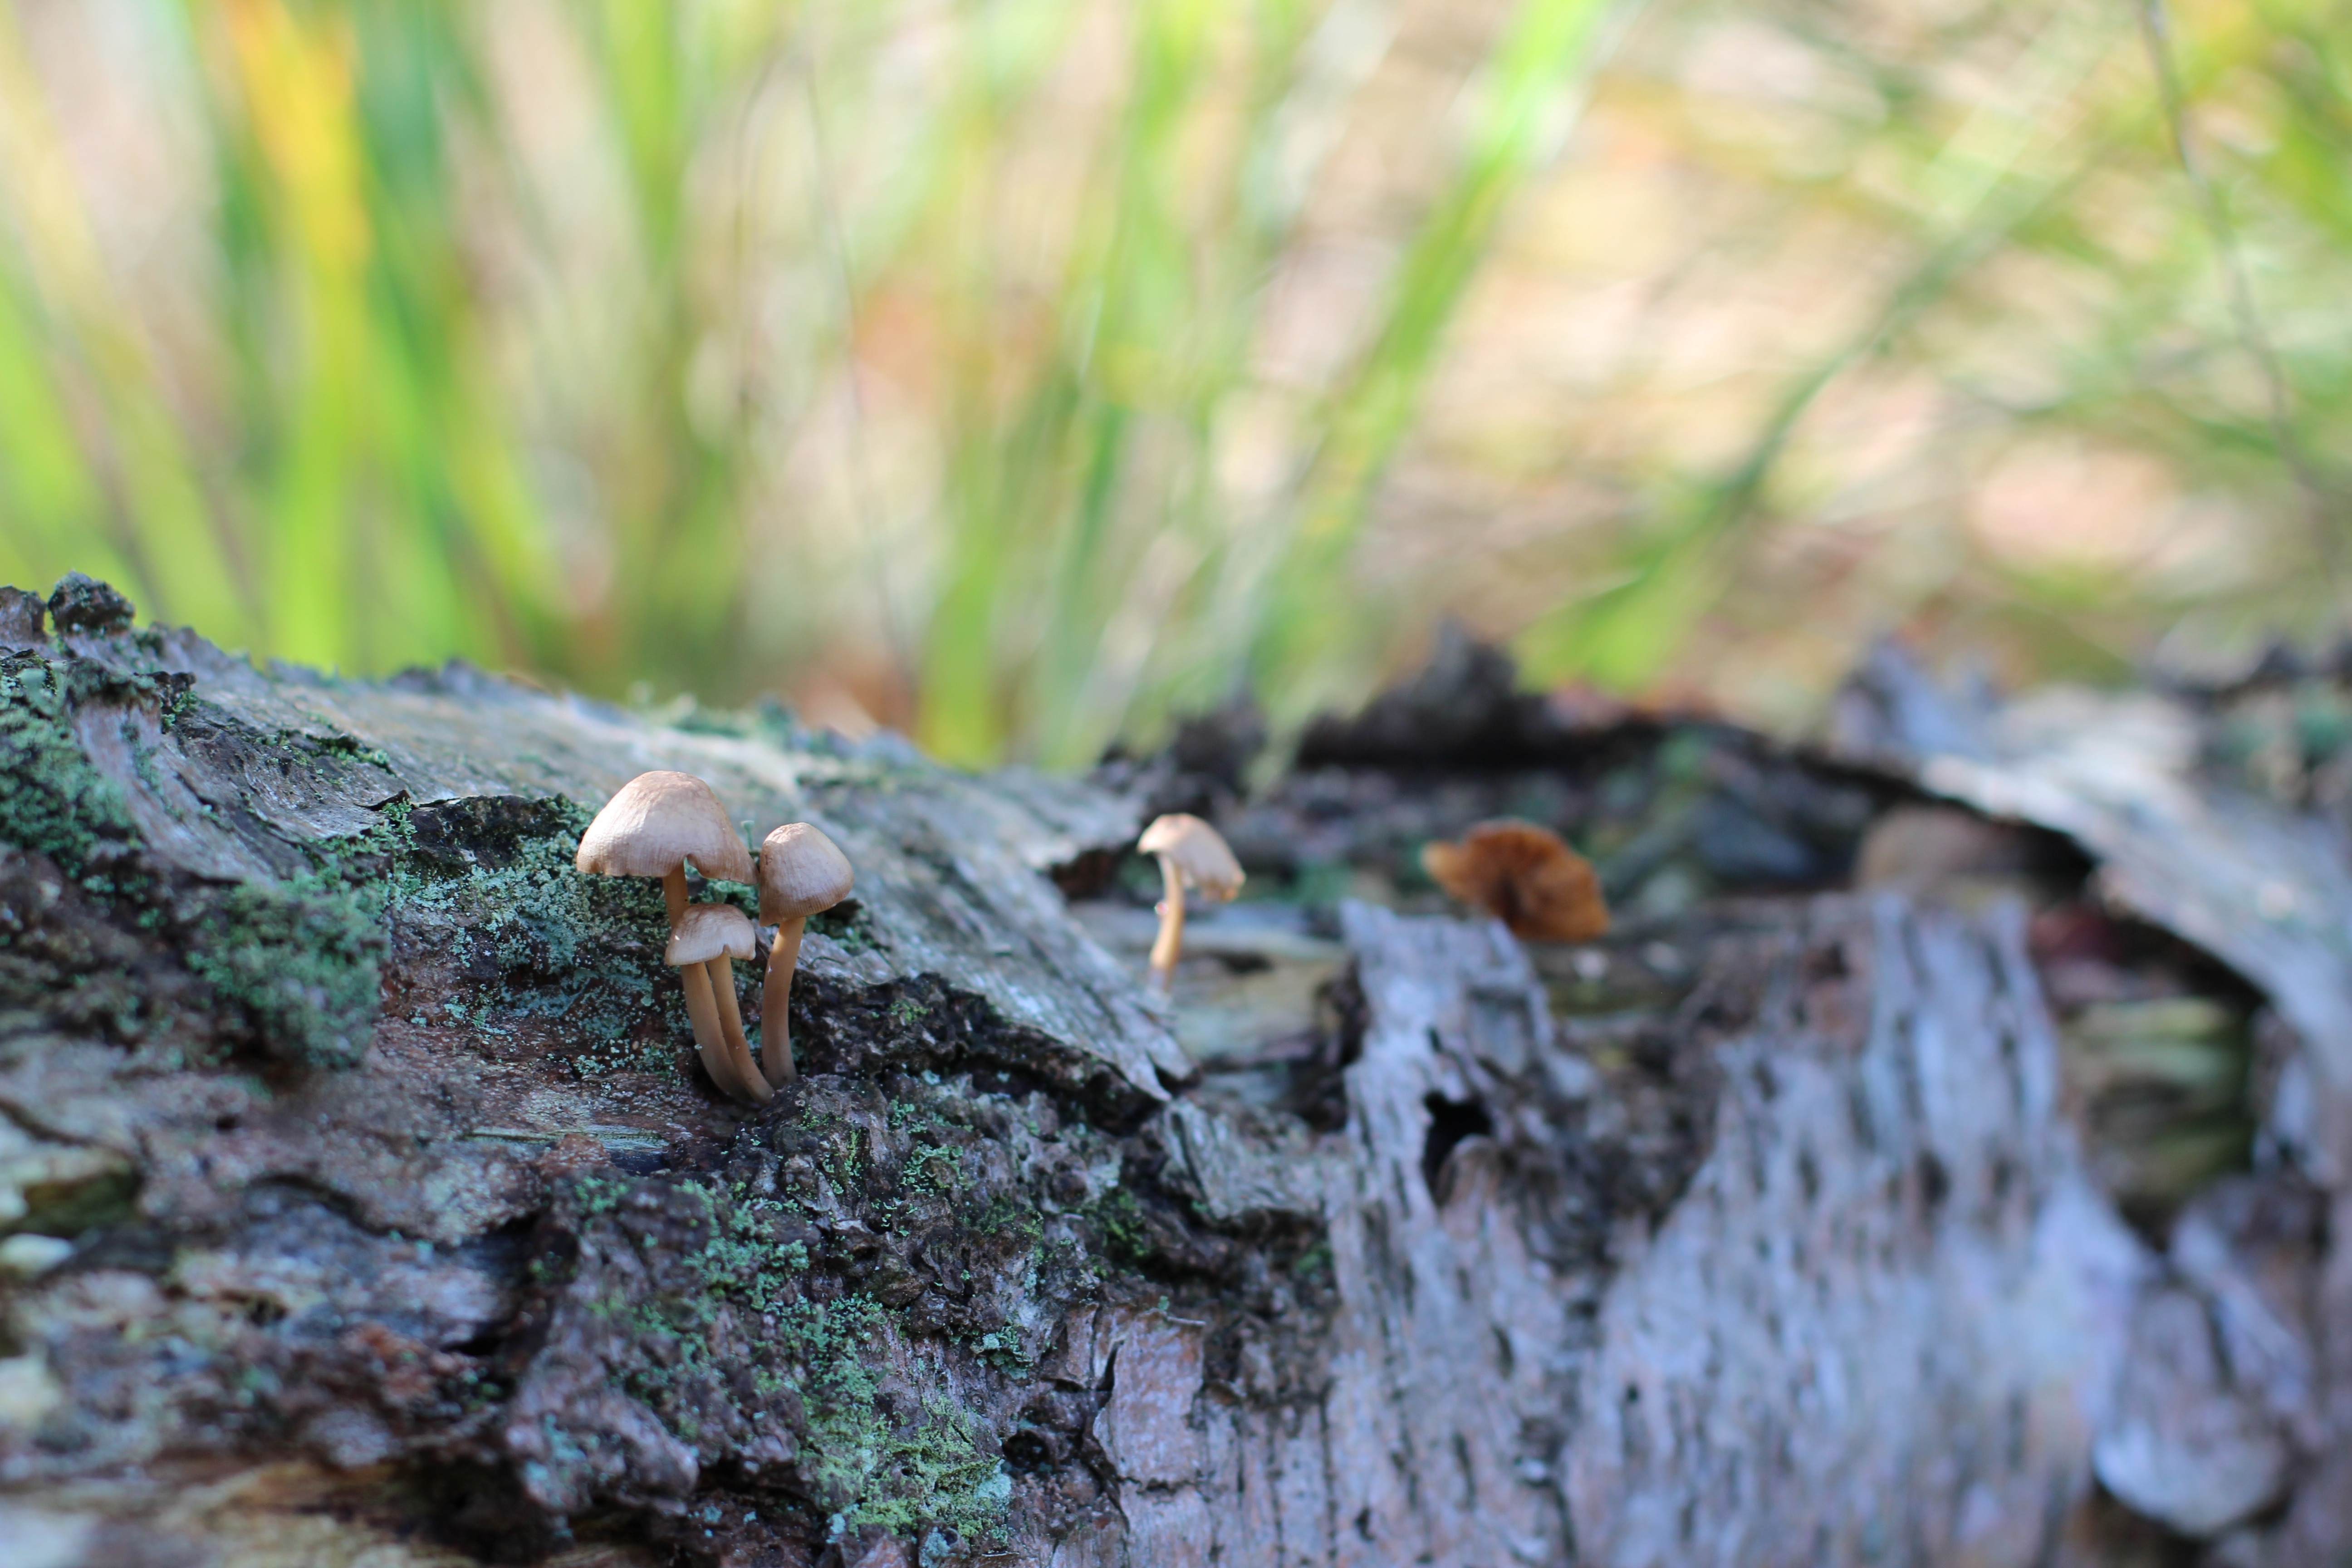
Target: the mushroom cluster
pixel 657 825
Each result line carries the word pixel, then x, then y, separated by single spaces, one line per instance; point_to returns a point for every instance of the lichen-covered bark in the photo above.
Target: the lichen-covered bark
pixel 365 1202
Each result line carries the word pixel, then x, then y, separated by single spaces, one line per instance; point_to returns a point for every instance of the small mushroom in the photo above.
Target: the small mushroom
pixel 1524 875
pixel 802 873
pixel 703 948
pixel 656 824
pixel 1191 855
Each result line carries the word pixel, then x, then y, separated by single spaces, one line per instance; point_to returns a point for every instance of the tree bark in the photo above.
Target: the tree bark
pixel 368 1205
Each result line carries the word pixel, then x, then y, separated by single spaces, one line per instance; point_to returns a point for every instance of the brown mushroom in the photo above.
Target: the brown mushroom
pixel 1191 855
pixel 703 948
pixel 1524 875
pixel 656 824
pixel 802 873
pixel 653 827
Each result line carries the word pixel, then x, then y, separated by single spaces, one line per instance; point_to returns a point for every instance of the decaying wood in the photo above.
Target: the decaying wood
pixel 368 1205
pixel 1879 1317
pixel 2233 1414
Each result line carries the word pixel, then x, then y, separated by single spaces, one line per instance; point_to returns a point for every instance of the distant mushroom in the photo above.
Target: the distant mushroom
pixel 1524 875
pixel 708 939
pixel 1191 855
pixel 802 873
pixel 656 824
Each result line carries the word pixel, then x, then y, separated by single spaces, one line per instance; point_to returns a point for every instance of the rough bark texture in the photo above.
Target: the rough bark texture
pixel 1874 1322
pixel 367 1204
pixel 2233 1417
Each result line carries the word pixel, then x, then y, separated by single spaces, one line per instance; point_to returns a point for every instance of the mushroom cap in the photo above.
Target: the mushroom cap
pixel 802 872
pixel 708 932
pixel 656 824
pixel 1199 854
pixel 1524 875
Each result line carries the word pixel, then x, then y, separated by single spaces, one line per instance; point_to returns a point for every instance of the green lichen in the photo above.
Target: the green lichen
pixel 1125 1233
pixel 301 961
pixel 1008 1215
pixel 850 929
pixel 931 1170
pixel 52 801
pixel 599 1195
pixel 870 1467
pixel 744 1258
pixel 902 1477
pixel 873 1452
pixel 502 893
pixel 348 747
pixel 292 965
pixel 866 1276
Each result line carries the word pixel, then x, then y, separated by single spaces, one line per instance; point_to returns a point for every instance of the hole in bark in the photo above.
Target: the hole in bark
pixel 1319 1090
pixel 2004 1177
pixel 2156 1052
pixel 75 1208
pixel 1027 1450
pixel 1450 1122
pixel 1090 876
pixel 483 1511
pixel 1935 1182
pixel 132 1248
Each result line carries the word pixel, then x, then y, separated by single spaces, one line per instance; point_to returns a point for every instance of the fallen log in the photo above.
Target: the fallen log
pixel 367 1203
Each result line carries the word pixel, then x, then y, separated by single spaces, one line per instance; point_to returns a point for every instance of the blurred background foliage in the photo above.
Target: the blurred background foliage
pixel 1019 372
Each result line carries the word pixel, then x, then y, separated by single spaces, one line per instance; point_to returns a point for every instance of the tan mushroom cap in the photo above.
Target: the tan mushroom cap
pixel 1200 855
pixel 1526 877
pixel 802 873
pixel 657 823
pixel 708 932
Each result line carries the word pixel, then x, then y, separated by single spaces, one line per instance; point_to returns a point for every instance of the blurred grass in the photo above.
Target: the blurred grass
pixel 1023 372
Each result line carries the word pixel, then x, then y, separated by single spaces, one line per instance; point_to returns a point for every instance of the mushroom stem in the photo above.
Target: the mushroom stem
pixel 722 970
pixel 674 894
pixel 1169 945
pixel 702 1007
pixel 776 1003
